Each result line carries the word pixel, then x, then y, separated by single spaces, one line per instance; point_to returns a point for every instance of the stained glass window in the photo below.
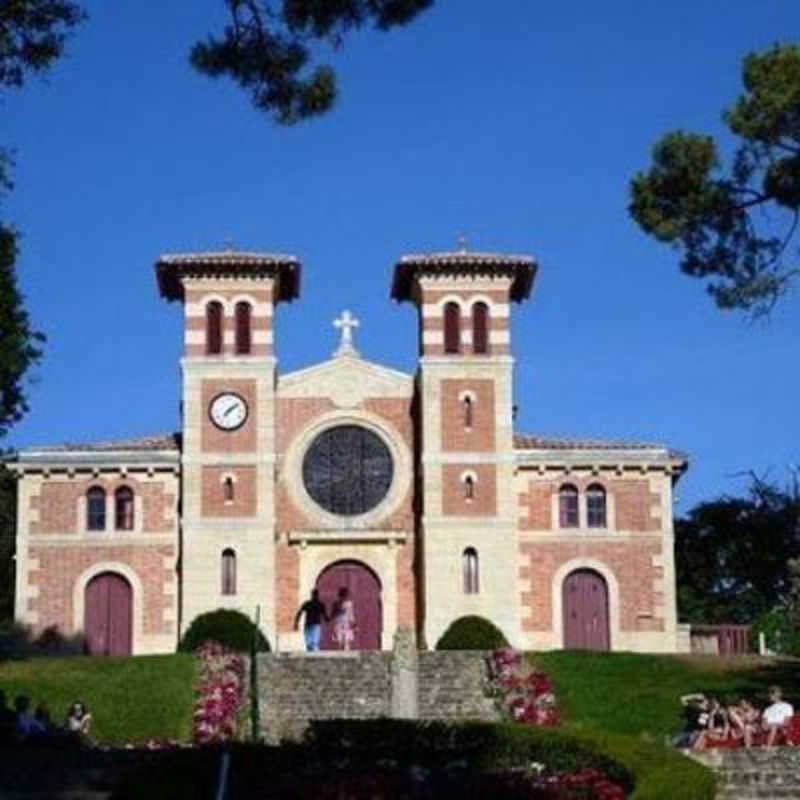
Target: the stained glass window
pixel 348 470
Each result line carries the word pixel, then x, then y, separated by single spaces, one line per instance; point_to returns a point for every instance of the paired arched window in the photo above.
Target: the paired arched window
pixel 214 328
pixel 96 509
pixel 228 564
pixel 568 506
pixel 470 571
pixel 596 506
pixel 123 509
pixel 243 325
pixel 480 328
pixel 452 328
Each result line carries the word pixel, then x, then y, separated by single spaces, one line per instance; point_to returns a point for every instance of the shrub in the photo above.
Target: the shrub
pixel 226 627
pixel 472 633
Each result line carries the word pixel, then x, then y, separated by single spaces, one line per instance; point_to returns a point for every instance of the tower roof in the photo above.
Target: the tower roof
pixel 171 268
pixel 521 269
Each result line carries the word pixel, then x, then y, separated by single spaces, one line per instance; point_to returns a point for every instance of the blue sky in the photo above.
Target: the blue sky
pixel 518 124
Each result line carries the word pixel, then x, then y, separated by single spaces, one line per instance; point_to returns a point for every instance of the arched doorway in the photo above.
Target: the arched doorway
pixel 585 611
pixel 108 615
pixel 365 591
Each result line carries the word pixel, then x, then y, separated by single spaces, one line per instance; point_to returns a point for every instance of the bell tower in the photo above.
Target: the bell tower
pixel 468 531
pixel 228 418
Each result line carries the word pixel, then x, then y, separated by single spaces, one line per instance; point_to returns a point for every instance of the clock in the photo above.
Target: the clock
pixel 228 411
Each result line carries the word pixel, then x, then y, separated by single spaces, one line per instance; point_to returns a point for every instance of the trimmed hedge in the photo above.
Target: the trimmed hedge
pixel 472 633
pixel 647 770
pixel 227 627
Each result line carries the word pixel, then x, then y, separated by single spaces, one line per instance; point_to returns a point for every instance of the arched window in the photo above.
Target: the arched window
pixel 480 328
pixel 568 506
pixel 469 487
pixel 243 337
pixel 596 506
pixel 228 571
pixel 228 490
pixel 123 509
pixel 468 411
pixel 214 328
pixel 470 570
pixel 96 509
pixel 452 328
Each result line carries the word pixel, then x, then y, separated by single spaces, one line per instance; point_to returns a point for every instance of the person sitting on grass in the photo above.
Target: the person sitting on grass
pixel 776 716
pixel 716 727
pixel 8 721
pixel 79 721
pixel 695 707
pixel 28 727
pixel 744 717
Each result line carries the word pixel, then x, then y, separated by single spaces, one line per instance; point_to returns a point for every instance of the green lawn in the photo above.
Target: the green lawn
pixel 639 694
pixel 131 699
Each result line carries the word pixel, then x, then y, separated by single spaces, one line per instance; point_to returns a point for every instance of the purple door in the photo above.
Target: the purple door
pixel 108 615
pixel 585 611
pixel 365 592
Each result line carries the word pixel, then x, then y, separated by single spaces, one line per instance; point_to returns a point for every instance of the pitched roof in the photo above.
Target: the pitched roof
pixel 157 442
pixel 172 267
pixel 520 268
pixel 525 441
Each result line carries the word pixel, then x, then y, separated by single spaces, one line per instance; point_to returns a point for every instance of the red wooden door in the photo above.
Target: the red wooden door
pixel 108 615
pixel 365 592
pixel 586 611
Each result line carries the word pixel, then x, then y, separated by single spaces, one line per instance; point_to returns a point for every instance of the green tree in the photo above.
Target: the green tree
pixel 735 226
pixel 265 48
pixel 733 555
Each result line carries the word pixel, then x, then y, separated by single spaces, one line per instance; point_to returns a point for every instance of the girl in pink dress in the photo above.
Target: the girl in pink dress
pixel 344 619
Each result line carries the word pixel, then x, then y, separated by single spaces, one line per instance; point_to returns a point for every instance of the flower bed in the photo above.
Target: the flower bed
pixel 220 694
pixel 522 692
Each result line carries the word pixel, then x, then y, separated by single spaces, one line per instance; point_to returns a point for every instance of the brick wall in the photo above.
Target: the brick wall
pixel 59 501
pixel 480 436
pixel 245 491
pixel 631 562
pixel 58 569
pixel 454 499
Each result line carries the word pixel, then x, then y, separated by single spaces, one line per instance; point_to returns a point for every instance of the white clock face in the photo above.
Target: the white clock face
pixel 228 411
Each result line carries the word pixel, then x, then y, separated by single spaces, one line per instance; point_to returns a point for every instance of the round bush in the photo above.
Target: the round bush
pixel 226 626
pixel 472 633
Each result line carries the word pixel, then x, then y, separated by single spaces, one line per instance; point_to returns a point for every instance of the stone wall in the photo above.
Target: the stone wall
pixel 296 688
pixel 759 772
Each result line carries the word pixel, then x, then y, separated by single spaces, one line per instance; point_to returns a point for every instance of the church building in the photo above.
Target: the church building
pixel 414 491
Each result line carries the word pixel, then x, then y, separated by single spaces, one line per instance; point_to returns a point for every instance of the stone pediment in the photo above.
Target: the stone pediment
pixel 347 380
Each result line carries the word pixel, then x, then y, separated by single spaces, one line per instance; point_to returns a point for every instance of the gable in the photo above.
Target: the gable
pixel 347 381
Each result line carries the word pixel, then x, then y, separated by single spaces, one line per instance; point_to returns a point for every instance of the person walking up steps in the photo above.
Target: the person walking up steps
pixel 314 611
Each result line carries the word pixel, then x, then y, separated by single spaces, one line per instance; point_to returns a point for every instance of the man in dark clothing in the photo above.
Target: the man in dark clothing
pixel 315 613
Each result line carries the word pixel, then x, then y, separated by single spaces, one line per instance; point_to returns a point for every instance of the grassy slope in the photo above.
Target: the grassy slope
pixel 638 694
pixel 131 699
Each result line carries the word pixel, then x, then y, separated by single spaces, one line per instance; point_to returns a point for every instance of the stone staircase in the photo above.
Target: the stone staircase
pixel 298 687
pixel 759 773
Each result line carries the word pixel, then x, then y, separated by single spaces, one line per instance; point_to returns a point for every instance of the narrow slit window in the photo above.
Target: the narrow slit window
pixel 123 509
pixel 596 506
pixel 469 410
pixel 228 571
pixel 480 329
pixel 96 509
pixel 214 328
pixel 470 570
pixel 228 489
pixel 469 488
pixel 243 329
pixel 452 328
pixel 568 506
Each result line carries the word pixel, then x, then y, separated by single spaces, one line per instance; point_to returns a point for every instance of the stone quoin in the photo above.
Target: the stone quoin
pixel 412 490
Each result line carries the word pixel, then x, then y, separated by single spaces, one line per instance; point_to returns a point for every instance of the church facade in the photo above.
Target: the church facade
pixel 414 491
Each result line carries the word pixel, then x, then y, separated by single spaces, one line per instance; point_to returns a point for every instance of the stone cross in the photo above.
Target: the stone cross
pixel 346 322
